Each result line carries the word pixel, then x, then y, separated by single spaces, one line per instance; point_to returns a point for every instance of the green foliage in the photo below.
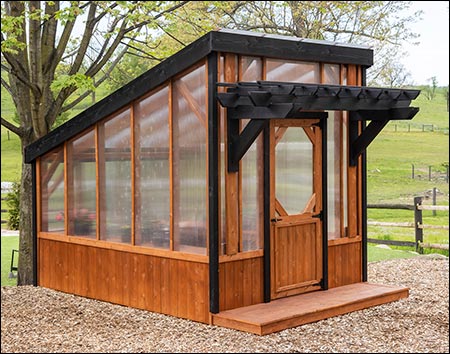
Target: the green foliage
pixel 13 202
pixel 80 81
pixel 12 26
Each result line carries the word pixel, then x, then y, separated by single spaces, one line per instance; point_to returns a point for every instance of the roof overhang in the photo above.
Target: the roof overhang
pixel 264 100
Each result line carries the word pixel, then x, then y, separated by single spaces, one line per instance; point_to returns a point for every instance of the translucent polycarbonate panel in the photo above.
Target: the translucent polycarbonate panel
pixel 292 71
pixel 152 173
pixel 331 74
pixel 251 68
pixel 294 170
pixel 82 186
pixel 344 75
pixel 189 162
pixel 333 178
pixel 52 191
pixel 252 173
pixel 115 178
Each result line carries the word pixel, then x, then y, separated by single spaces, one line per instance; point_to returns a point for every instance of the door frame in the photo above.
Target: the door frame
pixel 322 116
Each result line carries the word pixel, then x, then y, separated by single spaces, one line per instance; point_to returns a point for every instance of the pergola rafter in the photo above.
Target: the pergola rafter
pixel 261 101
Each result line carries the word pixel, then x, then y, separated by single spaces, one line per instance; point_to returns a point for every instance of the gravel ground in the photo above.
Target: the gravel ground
pixel 40 320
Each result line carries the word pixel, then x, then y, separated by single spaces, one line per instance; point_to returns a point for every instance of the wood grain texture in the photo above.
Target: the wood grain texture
pixel 296 310
pixel 170 286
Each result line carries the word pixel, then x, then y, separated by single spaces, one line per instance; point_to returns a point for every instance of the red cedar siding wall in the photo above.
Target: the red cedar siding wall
pixel 170 286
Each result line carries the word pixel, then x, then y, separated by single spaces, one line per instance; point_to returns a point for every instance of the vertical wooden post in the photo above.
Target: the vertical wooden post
pixel 434 200
pixel 429 173
pixel 417 223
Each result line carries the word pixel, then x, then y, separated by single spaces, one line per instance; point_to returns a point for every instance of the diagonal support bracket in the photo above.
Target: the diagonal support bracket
pixel 239 143
pixel 359 143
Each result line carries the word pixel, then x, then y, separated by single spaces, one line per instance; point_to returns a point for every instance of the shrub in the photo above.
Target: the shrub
pixel 13 201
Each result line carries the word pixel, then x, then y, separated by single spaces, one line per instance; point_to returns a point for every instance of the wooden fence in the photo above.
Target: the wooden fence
pixel 418 225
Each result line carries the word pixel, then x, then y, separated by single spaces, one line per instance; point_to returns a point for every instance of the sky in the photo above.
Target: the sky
pixel 431 57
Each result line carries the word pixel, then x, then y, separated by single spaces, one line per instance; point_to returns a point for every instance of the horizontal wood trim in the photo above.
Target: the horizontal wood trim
pixel 240 256
pixel 125 248
pixel 344 240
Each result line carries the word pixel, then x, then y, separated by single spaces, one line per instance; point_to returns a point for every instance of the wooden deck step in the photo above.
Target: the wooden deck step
pixel 296 310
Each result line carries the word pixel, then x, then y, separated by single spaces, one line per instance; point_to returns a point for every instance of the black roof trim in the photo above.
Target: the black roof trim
pixel 245 43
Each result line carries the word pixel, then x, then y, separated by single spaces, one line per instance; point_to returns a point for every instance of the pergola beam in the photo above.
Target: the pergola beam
pixel 264 100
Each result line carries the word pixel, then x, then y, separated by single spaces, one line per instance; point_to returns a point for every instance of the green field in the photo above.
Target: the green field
pixel 424 143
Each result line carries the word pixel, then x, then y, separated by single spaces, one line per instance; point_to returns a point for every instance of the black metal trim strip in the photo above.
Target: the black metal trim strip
pixel 34 222
pixel 323 126
pixel 364 258
pixel 213 184
pixel 267 224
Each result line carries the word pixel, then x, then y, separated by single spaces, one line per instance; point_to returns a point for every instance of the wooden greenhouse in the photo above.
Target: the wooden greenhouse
pixel 227 185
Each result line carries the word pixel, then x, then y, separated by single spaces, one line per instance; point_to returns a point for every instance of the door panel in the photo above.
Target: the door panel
pixel 296 245
pixel 296 233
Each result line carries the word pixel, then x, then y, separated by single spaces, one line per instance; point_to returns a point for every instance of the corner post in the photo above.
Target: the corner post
pixel 213 184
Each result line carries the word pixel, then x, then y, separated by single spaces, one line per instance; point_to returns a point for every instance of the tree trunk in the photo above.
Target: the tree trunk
pixel 25 274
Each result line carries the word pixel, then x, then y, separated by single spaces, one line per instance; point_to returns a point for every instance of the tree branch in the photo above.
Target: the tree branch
pixel 96 84
pixel 16 130
pixel 6 86
pixel 85 40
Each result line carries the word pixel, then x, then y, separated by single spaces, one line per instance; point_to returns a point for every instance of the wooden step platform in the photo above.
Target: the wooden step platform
pixel 296 310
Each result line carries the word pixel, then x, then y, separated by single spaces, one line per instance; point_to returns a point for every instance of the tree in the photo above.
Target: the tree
pixel 430 91
pixel 52 49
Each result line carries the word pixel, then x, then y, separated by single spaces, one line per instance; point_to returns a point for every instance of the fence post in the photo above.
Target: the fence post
pixel 417 223
pixel 429 173
pixel 434 200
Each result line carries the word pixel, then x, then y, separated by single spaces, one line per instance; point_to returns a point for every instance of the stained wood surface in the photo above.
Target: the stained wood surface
pixel 296 310
pixel 344 262
pixel 171 286
pixel 240 283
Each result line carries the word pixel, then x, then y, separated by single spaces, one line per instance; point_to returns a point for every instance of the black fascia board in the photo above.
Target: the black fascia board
pixel 136 88
pixel 291 48
pixel 220 41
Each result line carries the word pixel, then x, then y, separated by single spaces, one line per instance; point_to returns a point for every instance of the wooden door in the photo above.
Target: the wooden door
pixel 296 205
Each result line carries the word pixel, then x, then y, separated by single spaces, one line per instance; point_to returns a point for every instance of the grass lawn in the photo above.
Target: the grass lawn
pixel 8 244
pixel 375 254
